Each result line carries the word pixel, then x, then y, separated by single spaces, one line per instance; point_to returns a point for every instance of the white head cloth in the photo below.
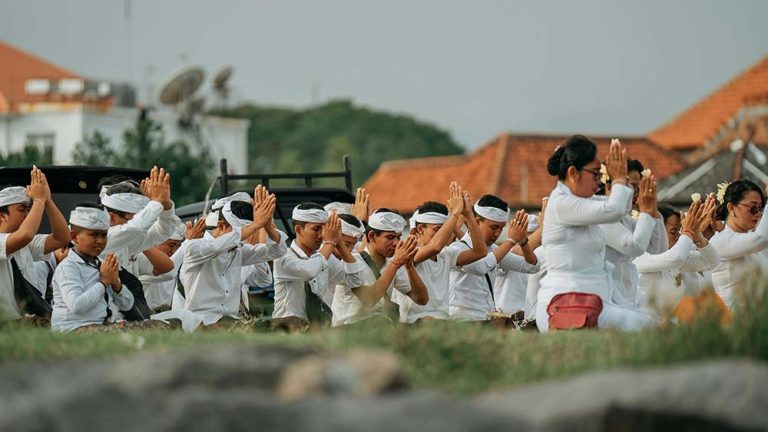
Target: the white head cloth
pixel 125 202
pixel 212 219
pixel 387 221
pixel 309 215
pixel 412 220
pixel 431 218
pixel 230 217
pixel 179 233
pixel 350 230
pixel 89 218
pixel 492 213
pixel 340 207
pixel 103 191
pixel 13 195
pixel 238 196
pixel 533 223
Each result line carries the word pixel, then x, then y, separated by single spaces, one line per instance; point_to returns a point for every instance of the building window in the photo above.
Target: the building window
pixel 41 141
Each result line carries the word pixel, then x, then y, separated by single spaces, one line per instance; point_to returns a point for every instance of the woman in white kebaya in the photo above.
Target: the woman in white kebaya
pixel 664 278
pixel 743 242
pixel 574 245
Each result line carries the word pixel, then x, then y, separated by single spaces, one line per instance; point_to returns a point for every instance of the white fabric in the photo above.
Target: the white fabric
pixel 212 272
pixel 181 231
pixel 533 223
pixel 13 195
pixel 230 217
pixel 661 279
pixel 433 218
pixel 295 268
pixel 212 219
pixel 626 240
pixel 740 253
pixel 25 258
pixel 158 290
pixel 574 252
pixel 412 220
pixel 258 275
pixel 436 275
pixel 125 202
pixel 238 196
pixel 510 289
pixel 78 296
pixel 351 230
pixel 470 295
pixel 492 213
pixel 534 284
pixel 340 207
pixel 89 218
pixel 348 309
pixel 387 221
pixel 189 320
pixel 310 215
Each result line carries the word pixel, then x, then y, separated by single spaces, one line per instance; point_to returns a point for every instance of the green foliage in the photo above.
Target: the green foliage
pixel 315 139
pixel 143 147
pixel 30 155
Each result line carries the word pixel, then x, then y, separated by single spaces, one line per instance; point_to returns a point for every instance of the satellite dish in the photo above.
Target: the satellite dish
pixel 181 85
pixel 195 105
pixel 221 77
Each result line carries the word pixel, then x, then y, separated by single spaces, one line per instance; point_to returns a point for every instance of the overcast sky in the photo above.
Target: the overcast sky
pixel 474 68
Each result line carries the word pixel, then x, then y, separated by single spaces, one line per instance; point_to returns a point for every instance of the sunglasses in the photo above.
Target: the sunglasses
pixel 753 209
pixel 595 173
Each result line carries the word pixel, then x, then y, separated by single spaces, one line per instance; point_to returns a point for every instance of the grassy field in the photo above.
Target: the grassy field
pixel 454 357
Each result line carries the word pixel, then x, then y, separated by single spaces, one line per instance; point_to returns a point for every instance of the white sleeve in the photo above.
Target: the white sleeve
pixel 576 211
pixel 704 259
pixel 77 297
pixel 37 247
pixel 259 275
pixel 344 273
pixel 479 267
pixel 516 263
pixel 123 300
pixel 201 250
pixel 132 234
pixel 736 245
pixel 401 282
pixel 672 259
pixel 292 268
pixel 162 229
pixel 630 243
pixel 271 250
pixel 659 241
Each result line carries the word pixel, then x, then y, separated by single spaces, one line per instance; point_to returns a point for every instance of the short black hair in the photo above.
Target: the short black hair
pixel 241 210
pixel 431 207
pixel 348 218
pixel 634 165
pixel 490 201
pixel 111 180
pixel 125 187
pixel 667 212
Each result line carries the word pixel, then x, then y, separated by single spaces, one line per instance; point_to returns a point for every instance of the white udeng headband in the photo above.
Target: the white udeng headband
pixel 179 233
pixel 230 217
pixel 239 196
pixel 492 213
pixel 13 195
pixel 386 221
pixel 125 202
pixel 212 219
pixel 340 207
pixel 412 220
pixel 433 218
pixel 309 215
pixel 351 230
pixel 89 218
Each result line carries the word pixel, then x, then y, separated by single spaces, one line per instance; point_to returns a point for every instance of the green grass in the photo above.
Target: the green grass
pixel 447 356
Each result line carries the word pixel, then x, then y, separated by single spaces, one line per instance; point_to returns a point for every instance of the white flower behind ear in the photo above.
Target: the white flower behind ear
pixel 721 191
pixel 635 214
pixel 696 197
pixel 604 177
pixel 646 172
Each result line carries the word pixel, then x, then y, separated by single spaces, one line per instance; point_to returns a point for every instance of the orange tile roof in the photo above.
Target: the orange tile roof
pixel 700 123
pixel 19 66
pixel 511 166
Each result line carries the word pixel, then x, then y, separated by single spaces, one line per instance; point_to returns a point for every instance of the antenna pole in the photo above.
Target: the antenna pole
pixel 224 177
pixel 347 172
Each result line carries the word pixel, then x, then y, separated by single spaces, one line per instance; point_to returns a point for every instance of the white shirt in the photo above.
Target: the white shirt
pixel 740 252
pixel 148 228
pixel 348 309
pixel 158 290
pixel 659 273
pixel 211 272
pixel 78 296
pixel 470 295
pixel 295 268
pixel 436 275
pixel 257 275
pixel 25 258
pixel 533 286
pixel 574 243
pixel 626 240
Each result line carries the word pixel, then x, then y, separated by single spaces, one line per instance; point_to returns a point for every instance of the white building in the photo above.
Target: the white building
pixel 44 105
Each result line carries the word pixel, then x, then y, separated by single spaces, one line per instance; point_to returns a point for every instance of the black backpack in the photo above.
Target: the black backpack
pixel 28 298
pixel 140 310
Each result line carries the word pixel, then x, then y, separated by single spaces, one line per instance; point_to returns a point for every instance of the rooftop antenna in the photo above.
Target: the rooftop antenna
pixel 220 82
pixel 178 91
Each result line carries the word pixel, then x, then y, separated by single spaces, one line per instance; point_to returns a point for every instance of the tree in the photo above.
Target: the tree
pixel 314 139
pixel 145 146
pixel 29 155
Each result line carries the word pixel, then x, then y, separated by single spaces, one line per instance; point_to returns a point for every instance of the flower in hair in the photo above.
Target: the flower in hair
pixel 721 191
pixel 696 197
pixel 615 141
pixel 604 177
pixel 646 172
pixel 635 214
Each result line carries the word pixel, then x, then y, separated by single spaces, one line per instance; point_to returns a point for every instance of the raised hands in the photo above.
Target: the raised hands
pixel 195 230
pixel 405 251
pixel 38 186
pixel 708 211
pixel 263 213
pixel 455 202
pixel 332 229
pixel 616 164
pixel 360 208
pixel 157 187
pixel 518 226
pixel 108 272
pixel 646 199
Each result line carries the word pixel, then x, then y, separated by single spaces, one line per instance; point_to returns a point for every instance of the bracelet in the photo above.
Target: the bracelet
pixel 524 242
pixel 39 200
pixel 329 242
pixel 512 240
pixel 689 232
